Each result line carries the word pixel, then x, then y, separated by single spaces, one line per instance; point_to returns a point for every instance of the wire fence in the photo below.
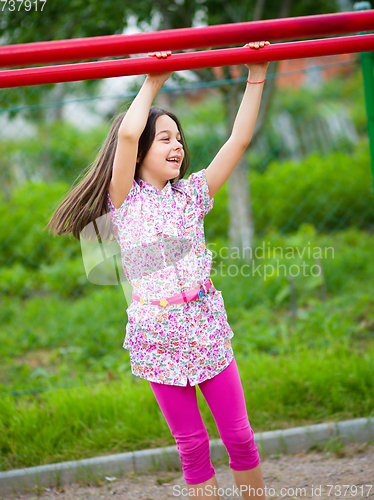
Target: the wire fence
pixel 309 195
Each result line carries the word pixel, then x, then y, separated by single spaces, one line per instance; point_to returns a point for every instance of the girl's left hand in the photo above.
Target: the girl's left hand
pixel 163 54
pixel 160 77
pixel 257 45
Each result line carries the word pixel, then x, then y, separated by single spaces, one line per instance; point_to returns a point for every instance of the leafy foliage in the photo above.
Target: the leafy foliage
pixel 330 192
pixel 57 151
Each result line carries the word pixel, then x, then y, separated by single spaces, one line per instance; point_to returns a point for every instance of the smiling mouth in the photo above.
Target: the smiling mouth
pixel 173 160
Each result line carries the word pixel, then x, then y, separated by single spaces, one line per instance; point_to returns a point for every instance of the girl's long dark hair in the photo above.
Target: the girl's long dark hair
pixel 87 200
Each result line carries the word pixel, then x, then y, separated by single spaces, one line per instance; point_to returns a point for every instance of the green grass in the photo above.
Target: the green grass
pixel 315 366
pixel 310 386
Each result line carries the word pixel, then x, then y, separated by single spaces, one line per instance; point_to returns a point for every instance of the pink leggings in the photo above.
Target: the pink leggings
pixel 225 398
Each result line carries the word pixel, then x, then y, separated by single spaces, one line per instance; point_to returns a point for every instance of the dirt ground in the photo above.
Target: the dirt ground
pixel 346 473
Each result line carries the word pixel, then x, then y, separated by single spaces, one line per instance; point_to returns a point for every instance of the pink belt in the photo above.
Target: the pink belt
pixel 180 297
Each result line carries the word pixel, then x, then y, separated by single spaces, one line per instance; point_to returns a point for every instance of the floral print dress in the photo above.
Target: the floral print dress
pixel 161 235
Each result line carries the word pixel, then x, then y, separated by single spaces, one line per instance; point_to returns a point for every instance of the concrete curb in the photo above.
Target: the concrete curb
pixel 294 440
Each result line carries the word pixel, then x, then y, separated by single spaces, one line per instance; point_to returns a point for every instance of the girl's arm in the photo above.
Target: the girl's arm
pixel 129 132
pixel 229 155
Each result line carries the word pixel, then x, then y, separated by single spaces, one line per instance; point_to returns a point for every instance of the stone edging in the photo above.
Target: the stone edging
pixel 285 441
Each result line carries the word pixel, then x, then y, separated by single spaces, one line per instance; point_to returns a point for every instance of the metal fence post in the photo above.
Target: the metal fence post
pixel 367 59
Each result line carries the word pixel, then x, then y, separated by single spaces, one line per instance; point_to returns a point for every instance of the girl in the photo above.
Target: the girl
pixel 177 331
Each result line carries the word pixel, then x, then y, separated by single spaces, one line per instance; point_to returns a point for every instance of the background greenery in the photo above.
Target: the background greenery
pixel 304 345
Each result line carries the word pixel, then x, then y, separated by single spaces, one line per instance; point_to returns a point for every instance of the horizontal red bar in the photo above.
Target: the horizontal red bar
pixel 191 60
pixel 223 35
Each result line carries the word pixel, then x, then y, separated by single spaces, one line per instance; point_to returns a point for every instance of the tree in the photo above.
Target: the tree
pixel 241 226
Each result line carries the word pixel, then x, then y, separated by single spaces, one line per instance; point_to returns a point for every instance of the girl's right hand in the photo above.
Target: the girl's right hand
pixel 160 77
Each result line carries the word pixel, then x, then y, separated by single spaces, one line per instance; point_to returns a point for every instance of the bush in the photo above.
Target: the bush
pixel 330 192
pixel 22 238
pixel 58 151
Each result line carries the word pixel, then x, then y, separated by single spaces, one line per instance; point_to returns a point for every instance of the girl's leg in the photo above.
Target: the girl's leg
pixel 225 398
pixel 180 409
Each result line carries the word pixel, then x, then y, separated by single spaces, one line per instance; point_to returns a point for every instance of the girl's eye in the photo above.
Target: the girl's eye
pixel 165 139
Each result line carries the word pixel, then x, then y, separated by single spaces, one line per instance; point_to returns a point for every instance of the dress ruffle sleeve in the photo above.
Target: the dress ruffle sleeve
pixel 122 210
pixel 197 188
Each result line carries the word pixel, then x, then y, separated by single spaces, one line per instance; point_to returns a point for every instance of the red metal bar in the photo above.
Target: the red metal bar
pixel 223 35
pixel 191 60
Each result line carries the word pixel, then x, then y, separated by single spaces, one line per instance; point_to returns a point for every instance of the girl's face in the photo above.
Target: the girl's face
pixel 165 156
